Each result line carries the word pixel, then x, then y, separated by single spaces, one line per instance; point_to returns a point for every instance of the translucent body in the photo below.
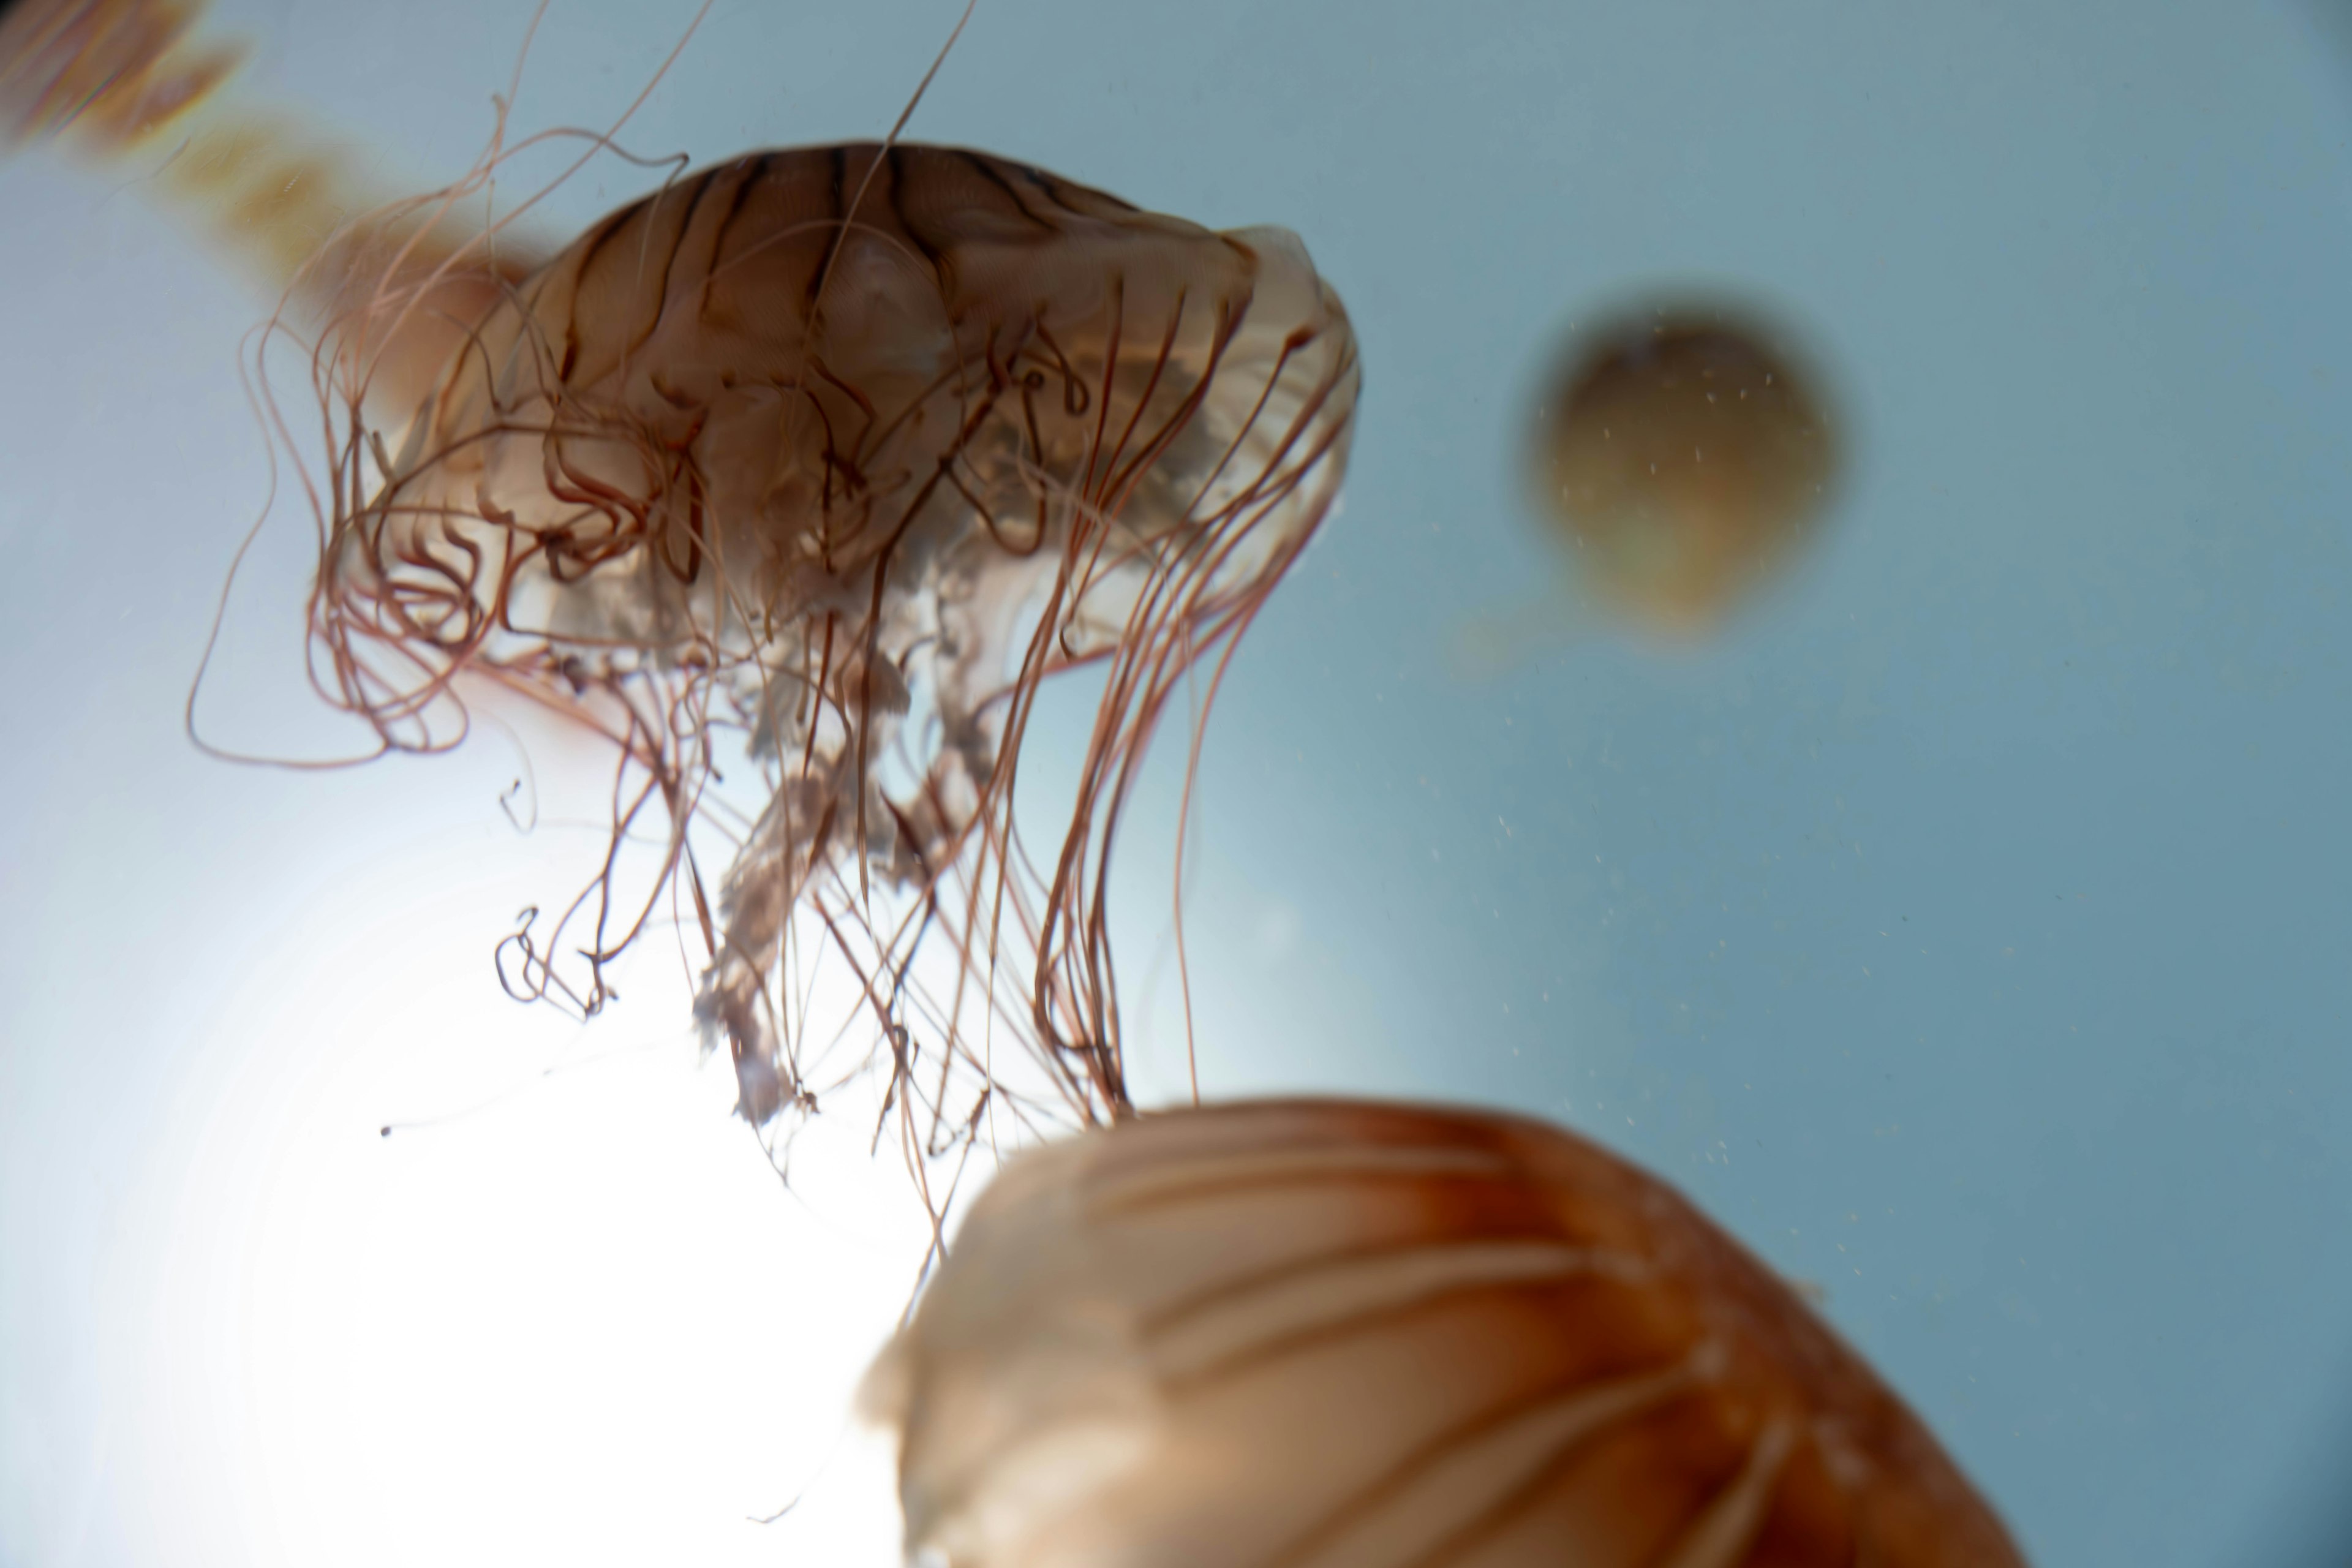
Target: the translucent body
pixel 793 481
pixel 1325 1334
pixel 845 448
pixel 1684 459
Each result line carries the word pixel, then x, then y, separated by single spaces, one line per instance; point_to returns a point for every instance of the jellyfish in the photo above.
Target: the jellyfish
pixel 1316 1333
pixel 834 454
pixel 135 84
pixel 790 483
pixel 1685 456
pixel 794 444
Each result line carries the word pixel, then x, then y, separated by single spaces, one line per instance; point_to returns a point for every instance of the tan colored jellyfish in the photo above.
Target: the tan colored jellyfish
pixel 834 454
pixel 1333 1334
pixel 791 481
pixel 1685 458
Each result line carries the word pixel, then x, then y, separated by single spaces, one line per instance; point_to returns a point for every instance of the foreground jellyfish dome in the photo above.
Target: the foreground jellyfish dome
pixel 1332 1334
pixel 1685 456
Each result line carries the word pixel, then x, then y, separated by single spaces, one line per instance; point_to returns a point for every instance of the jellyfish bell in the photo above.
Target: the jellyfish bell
pixel 1685 454
pixel 812 466
pixel 1323 1334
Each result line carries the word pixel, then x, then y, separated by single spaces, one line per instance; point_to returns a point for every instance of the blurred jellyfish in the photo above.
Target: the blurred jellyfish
pixel 1325 1334
pixel 1687 455
pixel 135 84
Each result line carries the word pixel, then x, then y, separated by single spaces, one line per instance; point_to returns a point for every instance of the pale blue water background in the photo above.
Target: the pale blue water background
pixel 1968 928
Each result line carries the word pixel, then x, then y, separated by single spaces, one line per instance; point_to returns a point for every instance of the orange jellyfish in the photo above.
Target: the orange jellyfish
pixel 1336 1335
pixel 834 454
pixel 793 482
pixel 1685 456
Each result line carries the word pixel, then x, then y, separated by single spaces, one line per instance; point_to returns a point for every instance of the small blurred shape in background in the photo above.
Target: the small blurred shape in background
pixel 1686 455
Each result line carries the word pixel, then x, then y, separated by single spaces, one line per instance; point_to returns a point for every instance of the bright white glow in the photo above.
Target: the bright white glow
pixel 568 1314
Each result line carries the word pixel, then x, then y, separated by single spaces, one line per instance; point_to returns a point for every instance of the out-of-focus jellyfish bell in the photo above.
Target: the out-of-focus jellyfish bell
pixel 1685 454
pixel 137 85
pixel 1324 1334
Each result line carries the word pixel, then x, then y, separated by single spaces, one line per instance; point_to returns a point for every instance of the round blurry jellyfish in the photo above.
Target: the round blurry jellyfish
pixel 1334 1334
pixel 1686 455
pixel 792 482
pixel 134 83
